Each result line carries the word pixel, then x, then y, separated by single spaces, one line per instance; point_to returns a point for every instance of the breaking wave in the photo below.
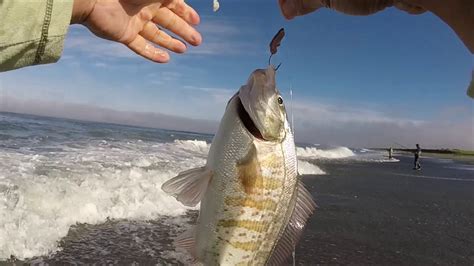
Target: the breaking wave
pixel 197 146
pixel 317 153
pixel 43 194
pixel 307 168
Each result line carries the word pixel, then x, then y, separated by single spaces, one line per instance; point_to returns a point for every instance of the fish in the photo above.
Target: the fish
pixel 253 206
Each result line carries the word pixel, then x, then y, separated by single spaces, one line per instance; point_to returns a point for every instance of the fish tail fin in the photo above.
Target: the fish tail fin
pixel 189 186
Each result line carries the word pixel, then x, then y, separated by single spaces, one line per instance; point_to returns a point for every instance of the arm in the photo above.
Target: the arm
pixel 33 32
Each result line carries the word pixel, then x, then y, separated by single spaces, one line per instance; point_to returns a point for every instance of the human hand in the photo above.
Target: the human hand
pixel 293 8
pixel 456 13
pixel 135 24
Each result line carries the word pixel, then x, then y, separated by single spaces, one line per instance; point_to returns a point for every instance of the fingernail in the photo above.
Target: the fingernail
pixel 195 19
pixel 183 48
pixel 160 53
pixel 164 56
pixel 196 39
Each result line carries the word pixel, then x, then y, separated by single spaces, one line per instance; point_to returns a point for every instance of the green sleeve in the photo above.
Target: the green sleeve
pixel 32 32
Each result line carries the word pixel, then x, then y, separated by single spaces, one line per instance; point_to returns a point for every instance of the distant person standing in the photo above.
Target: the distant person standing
pixel 390 153
pixel 417 158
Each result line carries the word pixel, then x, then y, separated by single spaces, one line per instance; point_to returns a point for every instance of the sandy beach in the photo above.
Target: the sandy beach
pixel 369 214
pixel 388 214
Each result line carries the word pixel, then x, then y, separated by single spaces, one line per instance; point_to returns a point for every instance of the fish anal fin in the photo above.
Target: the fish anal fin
pixel 189 186
pixel 187 241
pixel 304 208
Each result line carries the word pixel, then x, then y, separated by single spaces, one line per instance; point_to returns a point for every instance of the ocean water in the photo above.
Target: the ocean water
pixel 74 190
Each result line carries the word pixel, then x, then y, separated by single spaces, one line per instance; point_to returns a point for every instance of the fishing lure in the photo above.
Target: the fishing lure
pixel 275 43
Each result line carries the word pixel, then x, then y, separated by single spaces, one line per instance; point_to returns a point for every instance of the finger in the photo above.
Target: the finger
pixel 293 8
pixel 170 21
pixel 140 46
pixel 358 8
pixel 180 8
pixel 409 8
pixel 161 38
pixel 288 8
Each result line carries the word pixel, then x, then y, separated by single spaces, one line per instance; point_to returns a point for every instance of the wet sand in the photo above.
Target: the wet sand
pixel 389 214
pixel 369 214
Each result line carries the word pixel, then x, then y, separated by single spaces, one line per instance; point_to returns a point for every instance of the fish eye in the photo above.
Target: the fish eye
pixel 280 100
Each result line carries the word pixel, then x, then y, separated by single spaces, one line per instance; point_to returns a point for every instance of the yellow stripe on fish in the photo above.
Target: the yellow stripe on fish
pixel 243 263
pixel 257 226
pixel 266 204
pixel 247 246
pixel 255 184
pixel 251 176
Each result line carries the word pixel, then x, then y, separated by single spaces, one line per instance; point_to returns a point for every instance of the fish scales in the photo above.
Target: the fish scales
pixel 252 212
pixel 252 208
pixel 251 181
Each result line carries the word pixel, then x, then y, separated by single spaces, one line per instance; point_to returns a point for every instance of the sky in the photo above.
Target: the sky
pixel 357 81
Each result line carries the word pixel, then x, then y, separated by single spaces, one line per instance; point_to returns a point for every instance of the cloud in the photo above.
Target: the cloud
pixel 216 46
pixel 100 64
pixel 219 96
pixel 225 36
pixel 323 113
pixel 81 43
pixel 362 127
pixel 222 36
pixel 324 123
pixel 99 114
pixel 169 99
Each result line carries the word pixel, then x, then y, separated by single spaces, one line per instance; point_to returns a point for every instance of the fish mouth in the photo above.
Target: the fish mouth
pixel 247 121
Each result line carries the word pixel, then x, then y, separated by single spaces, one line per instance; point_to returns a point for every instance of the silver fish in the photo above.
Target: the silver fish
pixel 253 206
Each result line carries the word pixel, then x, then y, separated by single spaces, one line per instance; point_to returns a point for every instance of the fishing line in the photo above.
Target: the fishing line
pixel 291 109
pixel 292 128
pixel 287 59
pixel 405 147
pixel 274 44
pixel 294 257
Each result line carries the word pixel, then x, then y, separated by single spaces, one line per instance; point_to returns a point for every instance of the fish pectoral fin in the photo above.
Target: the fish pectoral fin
pixel 303 209
pixel 189 186
pixel 187 241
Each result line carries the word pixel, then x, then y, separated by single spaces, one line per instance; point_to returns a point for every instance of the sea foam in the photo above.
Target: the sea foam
pixel 317 153
pixel 43 194
pixel 307 168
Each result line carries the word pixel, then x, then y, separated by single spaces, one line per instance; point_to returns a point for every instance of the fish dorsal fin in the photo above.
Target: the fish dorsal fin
pixel 189 186
pixel 303 209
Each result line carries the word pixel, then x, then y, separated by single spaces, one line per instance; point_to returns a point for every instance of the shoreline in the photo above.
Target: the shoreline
pixel 466 156
pixel 457 157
